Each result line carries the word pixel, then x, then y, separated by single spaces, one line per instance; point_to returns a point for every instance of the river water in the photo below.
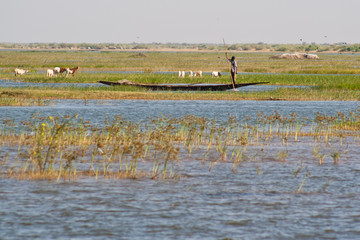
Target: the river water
pixel 258 201
pixel 96 111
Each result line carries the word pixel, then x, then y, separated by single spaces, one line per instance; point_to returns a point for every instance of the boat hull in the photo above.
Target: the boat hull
pixel 182 87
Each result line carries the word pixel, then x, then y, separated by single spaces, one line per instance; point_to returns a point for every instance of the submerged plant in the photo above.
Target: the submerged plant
pixel 303 181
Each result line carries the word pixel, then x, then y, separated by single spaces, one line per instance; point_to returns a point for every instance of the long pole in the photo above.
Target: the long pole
pixel 227 57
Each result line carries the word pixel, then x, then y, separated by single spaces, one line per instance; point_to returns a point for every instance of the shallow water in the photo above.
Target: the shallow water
pixel 96 111
pixel 12 84
pixel 203 205
pixel 258 201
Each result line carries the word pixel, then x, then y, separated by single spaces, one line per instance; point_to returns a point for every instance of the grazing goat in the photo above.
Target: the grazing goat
pixel 50 73
pixel 60 70
pixel 191 74
pixel 198 74
pixel 215 74
pixel 20 71
pixel 182 74
pixel 68 71
pixel 56 70
pixel 72 70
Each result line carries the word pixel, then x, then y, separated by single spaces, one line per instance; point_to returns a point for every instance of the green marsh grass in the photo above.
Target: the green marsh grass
pixel 333 77
pixel 175 61
pixel 310 87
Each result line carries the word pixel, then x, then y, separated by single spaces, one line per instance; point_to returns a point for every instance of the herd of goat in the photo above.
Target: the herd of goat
pixel 67 71
pixel 198 74
pixel 51 72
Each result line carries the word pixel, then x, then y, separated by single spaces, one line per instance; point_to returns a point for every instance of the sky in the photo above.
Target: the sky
pixel 179 21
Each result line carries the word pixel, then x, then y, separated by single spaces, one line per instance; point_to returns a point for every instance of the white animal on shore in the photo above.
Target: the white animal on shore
pixel 215 74
pixel 20 71
pixel 50 73
pixel 182 74
pixel 191 74
pixel 198 74
pixel 56 70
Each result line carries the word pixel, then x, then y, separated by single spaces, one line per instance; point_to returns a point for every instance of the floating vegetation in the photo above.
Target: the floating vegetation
pixel 65 148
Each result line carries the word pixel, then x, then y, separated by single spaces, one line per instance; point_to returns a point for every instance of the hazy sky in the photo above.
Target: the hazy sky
pixel 180 21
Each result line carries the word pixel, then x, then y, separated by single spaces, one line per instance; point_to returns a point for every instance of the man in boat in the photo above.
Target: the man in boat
pixel 233 71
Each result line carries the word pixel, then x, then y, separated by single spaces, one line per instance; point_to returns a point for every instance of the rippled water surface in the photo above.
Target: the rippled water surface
pixel 258 201
pixel 203 205
pixel 139 110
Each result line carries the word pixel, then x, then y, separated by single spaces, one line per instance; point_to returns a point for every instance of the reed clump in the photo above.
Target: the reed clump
pixel 67 147
pixel 10 98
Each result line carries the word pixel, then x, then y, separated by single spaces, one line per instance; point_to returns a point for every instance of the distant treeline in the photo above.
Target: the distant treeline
pixel 313 47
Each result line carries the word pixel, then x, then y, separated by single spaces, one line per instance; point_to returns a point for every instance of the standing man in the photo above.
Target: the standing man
pixel 232 66
pixel 233 69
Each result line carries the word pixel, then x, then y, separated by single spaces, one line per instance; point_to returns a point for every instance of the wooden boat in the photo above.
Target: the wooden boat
pixel 180 87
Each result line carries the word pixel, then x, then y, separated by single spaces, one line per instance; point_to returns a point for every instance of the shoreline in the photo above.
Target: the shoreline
pixel 50 94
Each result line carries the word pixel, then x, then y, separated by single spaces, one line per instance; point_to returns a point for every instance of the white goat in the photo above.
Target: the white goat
pixel 191 74
pixel 215 74
pixel 20 71
pixel 56 70
pixel 198 74
pixel 182 74
pixel 50 73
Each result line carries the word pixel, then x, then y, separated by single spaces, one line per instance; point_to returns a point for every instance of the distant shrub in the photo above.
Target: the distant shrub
pixel 140 46
pixel 311 48
pixel 202 46
pixel 299 48
pixel 281 49
pixel 324 49
pixel 235 47
pixel 352 48
pixel 259 47
pixel 211 47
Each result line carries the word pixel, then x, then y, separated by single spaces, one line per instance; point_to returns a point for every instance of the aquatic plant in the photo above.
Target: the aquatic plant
pixel 67 147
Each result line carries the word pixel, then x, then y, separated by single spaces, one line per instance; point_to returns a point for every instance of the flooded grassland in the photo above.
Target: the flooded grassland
pixel 176 172
pixel 92 162
pixel 332 77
